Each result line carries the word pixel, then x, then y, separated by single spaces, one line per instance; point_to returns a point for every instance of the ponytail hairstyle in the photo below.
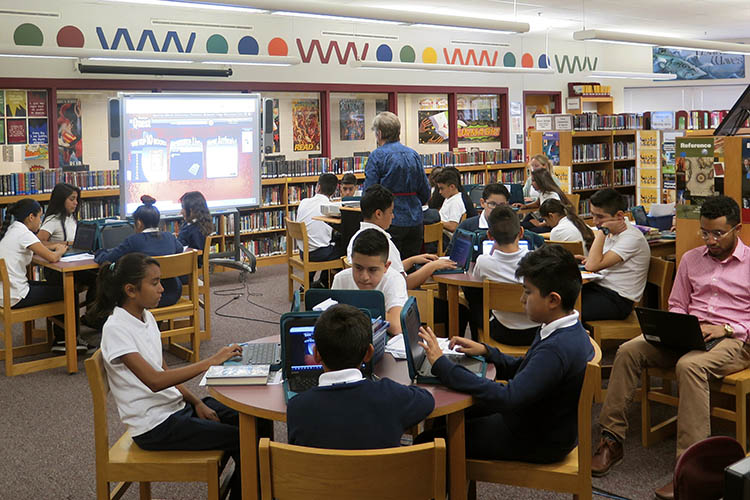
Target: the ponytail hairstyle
pixel 130 269
pixel 19 211
pixel 195 206
pixel 556 207
pixel 543 160
pixel 147 213
pixel 56 206
pixel 546 184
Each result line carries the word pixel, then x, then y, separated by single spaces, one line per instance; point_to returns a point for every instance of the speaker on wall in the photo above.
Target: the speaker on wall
pixel 268 126
pixel 114 129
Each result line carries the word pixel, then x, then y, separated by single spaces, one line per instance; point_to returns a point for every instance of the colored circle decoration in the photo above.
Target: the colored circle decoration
pixel 217 44
pixel 28 34
pixel 429 56
pixel 527 60
pixel 407 54
pixel 277 47
pixel 248 46
pixel 544 61
pixel 509 60
pixel 384 53
pixel 70 36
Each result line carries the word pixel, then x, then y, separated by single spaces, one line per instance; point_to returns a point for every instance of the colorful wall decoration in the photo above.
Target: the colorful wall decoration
pixel 698 64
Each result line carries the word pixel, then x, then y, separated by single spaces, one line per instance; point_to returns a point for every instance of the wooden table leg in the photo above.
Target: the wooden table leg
pixel 249 457
pixel 453 310
pixel 457 456
pixel 71 317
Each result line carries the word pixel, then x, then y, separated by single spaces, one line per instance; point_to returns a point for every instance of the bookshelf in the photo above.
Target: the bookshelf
pixel 595 160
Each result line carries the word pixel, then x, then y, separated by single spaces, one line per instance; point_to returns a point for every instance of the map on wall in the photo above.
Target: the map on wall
pixel 698 64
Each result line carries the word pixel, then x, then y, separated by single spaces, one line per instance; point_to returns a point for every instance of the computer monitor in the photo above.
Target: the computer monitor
pixel 737 116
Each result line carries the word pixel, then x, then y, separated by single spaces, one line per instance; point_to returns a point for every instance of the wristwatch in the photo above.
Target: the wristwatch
pixel 728 330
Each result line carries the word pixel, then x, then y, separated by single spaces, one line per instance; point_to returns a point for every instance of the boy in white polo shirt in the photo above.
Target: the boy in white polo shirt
pixel 500 265
pixel 371 270
pixel 453 207
pixel 621 254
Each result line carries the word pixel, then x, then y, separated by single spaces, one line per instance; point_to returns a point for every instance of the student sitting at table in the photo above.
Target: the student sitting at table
pixel 537 162
pixel 61 218
pixel 620 253
pixel 347 411
pixel 18 245
pixel 371 270
pixel 501 265
pixel 534 417
pixel 453 205
pixel 493 196
pixel 161 413
pixel 377 213
pixel 566 225
pixel 348 185
pixel 319 234
pixel 197 221
pixel 542 181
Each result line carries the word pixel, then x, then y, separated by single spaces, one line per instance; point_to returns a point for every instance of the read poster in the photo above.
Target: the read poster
pixel 433 120
pixel 745 180
pixel 551 146
pixel 352 119
pixel 69 140
pixel 15 103
pixel 694 169
pixel 306 124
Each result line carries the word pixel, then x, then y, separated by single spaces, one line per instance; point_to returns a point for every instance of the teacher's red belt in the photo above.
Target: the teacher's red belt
pixel 405 194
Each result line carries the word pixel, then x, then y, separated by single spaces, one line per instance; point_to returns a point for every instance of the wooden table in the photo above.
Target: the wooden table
pixel 449 286
pixel 69 294
pixel 267 402
pixel 662 247
pixel 328 219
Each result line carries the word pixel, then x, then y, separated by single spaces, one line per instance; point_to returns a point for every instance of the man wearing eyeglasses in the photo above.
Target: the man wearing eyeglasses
pixel 713 284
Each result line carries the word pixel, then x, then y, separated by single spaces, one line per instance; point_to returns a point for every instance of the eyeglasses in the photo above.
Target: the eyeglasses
pixel 716 235
pixel 492 204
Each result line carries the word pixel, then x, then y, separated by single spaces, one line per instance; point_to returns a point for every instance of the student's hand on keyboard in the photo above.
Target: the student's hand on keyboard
pixel 711 332
pixel 440 264
pixel 468 346
pixel 430 344
pixel 225 353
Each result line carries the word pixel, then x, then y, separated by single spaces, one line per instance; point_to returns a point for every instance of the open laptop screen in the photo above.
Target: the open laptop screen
pixel 461 251
pixel 300 349
pixel 411 334
pixel 85 237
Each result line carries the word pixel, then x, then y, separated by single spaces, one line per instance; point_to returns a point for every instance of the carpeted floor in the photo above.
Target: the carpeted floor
pixel 48 443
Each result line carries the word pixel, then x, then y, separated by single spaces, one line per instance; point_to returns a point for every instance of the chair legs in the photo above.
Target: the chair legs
pixel 145 491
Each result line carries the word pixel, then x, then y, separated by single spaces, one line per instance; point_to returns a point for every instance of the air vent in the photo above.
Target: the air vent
pixel 359 35
pixel 193 24
pixel 483 44
pixel 11 12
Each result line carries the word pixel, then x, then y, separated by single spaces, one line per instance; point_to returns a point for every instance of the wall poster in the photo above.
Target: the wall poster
pixel 276 133
pixel 352 119
pixel 694 169
pixel 551 146
pixel 478 118
pixel 37 103
pixel 15 103
pixel 698 64
pixel 69 138
pixel 306 124
pixel 16 131
pixel 433 120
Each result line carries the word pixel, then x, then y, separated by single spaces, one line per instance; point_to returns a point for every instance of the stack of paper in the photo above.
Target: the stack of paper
pixel 396 348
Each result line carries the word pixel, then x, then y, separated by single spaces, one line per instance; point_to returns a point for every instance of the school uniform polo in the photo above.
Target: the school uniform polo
pixel 627 278
pixel 453 208
pixel 393 286
pixel 14 248
pixel 318 233
pixel 393 254
pixel 54 226
pixel 191 236
pixel 565 230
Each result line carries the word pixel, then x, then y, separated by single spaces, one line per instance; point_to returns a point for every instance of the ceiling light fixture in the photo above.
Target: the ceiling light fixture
pixel 631 75
pixel 595 35
pixel 449 67
pixel 195 5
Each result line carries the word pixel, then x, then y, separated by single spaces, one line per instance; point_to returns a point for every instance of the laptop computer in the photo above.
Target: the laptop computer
pixel 463 244
pixel 84 241
pixel 680 332
pixel 419 367
pixel 260 353
pixel 113 234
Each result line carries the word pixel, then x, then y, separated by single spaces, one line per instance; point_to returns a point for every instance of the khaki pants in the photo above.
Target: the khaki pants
pixel 693 370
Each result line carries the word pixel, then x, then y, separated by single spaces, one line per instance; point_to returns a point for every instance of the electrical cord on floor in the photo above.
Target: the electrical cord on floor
pixel 232 292
pixel 220 314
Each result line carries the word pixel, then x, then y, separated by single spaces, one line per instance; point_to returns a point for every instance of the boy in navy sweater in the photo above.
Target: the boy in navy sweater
pixel 347 411
pixel 532 418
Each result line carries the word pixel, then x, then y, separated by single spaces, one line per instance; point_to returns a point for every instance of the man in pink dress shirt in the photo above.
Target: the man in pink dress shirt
pixel 712 283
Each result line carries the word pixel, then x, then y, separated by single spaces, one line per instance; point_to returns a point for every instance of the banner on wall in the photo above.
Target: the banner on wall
pixel 698 64
pixel 276 133
pixel 15 103
pixel 694 169
pixel 478 119
pixel 352 119
pixel 432 116
pixel 306 124
pixel 551 146
pixel 69 137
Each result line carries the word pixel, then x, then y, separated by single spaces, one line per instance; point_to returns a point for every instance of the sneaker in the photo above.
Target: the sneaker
pixel 81 346
pixel 608 454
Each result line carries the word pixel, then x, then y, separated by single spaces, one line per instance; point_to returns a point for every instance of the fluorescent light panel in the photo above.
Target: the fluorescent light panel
pixel 448 67
pixel 195 5
pixel 631 75
pixel 334 18
pixel 595 35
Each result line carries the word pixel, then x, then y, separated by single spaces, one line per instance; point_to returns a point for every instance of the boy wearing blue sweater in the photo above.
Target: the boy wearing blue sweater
pixel 532 418
pixel 347 411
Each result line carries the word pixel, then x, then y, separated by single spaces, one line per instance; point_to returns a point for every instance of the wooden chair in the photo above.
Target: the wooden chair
pixel 204 285
pixel 297 231
pixel 574 247
pixel 289 472
pixel 504 297
pixel 434 233
pixel 125 462
pixel 660 274
pixel 449 234
pixel 574 200
pixel 425 304
pixel 186 309
pixel 571 475
pixel 26 315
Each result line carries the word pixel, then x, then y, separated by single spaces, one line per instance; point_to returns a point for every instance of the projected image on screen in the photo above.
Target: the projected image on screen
pixel 174 143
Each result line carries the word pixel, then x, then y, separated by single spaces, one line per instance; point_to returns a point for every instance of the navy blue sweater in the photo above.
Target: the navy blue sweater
pixel 539 403
pixel 155 244
pixel 192 236
pixel 356 416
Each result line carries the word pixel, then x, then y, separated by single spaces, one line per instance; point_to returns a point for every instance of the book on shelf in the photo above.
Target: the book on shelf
pixel 625 176
pixel 591 179
pixel 595 121
pixel 624 150
pixel 591 152
pixel 43 181
pixel 238 375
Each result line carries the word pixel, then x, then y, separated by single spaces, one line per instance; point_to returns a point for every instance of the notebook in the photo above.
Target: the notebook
pixel 463 244
pixel 419 367
pixel 680 332
pixel 84 241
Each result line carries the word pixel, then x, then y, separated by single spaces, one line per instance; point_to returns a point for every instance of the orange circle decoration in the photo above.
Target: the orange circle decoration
pixel 70 36
pixel 277 47
pixel 429 56
pixel 527 60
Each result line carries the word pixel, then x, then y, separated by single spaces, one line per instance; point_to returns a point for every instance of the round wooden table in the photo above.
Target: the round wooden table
pixel 268 402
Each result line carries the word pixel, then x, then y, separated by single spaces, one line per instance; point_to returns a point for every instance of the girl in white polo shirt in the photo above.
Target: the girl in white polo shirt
pixel 151 398
pixel 543 182
pixel 60 221
pixel 566 225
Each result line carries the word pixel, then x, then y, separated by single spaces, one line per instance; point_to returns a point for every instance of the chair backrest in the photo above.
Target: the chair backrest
pixel 660 274
pixel 585 401
pixel 372 300
pixel 574 247
pixel 178 264
pixel 6 288
pixel 434 232
pixel 425 304
pixel 699 473
pixel 476 194
pixel 296 231
pixel 506 297
pixel 289 472
pixel 99 391
pixel 574 200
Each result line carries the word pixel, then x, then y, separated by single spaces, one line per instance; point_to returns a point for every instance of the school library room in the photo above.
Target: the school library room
pixel 375 250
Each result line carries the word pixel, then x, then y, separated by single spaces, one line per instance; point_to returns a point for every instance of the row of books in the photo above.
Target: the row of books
pixel 510 176
pixel 464 158
pixel 299 192
pixel 584 206
pixel 255 221
pixel 595 121
pixel 268 245
pixel 272 195
pixel 472 178
pixel 43 181
pixel 625 176
pixel 591 179
pixel 96 209
pixel 591 152
pixel 624 150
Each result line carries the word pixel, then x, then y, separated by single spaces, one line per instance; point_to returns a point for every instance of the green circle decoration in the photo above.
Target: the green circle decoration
pixel 407 54
pixel 509 60
pixel 28 34
pixel 217 44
